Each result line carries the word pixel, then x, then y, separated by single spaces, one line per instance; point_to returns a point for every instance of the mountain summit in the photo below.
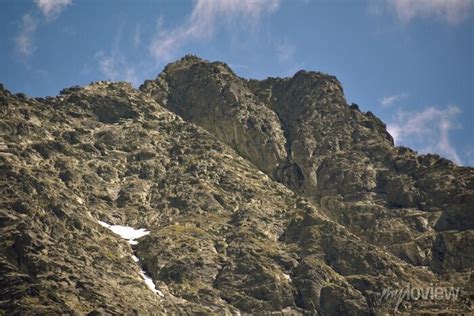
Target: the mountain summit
pixel 270 196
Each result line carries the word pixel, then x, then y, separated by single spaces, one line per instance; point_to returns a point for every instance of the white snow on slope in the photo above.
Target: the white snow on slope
pixel 130 234
pixel 151 285
pixel 126 232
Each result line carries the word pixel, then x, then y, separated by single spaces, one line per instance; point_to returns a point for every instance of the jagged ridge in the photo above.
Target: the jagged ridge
pixel 339 157
pixel 224 237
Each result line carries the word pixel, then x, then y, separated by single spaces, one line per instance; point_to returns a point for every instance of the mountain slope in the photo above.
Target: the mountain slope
pixel 337 156
pixel 224 236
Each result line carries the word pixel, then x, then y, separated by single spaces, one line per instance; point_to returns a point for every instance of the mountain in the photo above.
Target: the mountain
pixel 270 196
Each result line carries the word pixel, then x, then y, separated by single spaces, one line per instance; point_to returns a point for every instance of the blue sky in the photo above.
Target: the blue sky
pixel 408 61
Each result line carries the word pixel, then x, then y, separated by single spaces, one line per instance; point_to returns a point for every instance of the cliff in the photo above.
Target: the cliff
pixel 259 196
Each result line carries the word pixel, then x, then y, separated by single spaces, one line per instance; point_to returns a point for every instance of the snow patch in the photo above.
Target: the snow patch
pixel 130 234
pixel 126 232
pixel 151 285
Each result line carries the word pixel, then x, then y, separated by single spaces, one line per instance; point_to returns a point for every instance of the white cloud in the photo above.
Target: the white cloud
pixel 469 156
pixel 114 67
pixel 52 8
pixel 285 52
pixel 137 36
pixel 428 130
pixel 24 40
pixel 451 11
pixel 389 100
pixel 202 22
pixel 285 55
pixel 107 65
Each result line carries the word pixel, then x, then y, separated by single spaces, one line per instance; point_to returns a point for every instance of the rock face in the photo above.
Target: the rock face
pixel 259 196
pixel 340 158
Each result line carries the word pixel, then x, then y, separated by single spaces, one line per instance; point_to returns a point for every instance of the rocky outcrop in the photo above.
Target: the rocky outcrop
pixel 281 198
pixel 340 158
pixel 212 96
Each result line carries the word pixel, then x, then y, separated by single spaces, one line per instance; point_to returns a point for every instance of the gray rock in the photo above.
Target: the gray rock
pixel 281 199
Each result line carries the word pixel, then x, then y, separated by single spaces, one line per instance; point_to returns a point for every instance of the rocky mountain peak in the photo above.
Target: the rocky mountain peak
pixel 256 196
pixel 302 133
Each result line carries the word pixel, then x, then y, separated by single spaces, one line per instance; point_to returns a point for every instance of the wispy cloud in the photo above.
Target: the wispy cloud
pixel 389 100
pixel 428 130
pixel 285 52
pixel 51 9
pixel 469 156
pixel 137 39
pixel 114 67
pixel 451 11
pixel 24 42
pixel 202 22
